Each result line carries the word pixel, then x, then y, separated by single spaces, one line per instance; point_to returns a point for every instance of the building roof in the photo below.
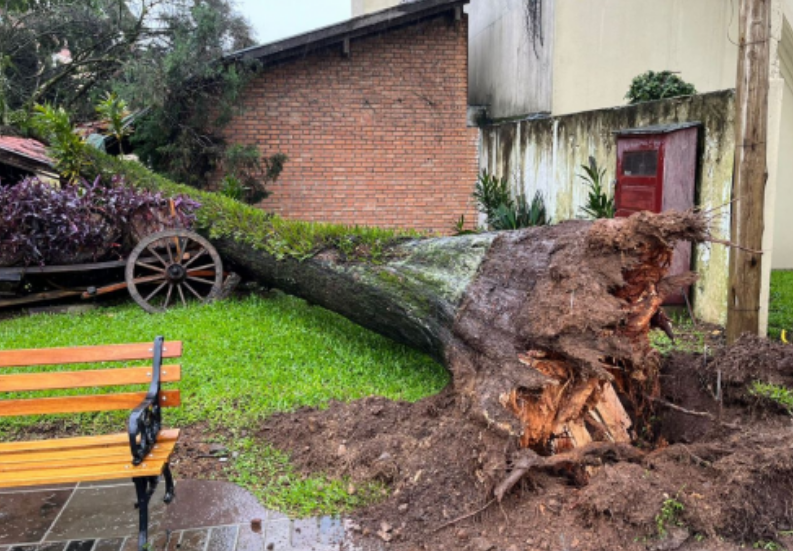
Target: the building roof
pixel 24 153
pixel 340 33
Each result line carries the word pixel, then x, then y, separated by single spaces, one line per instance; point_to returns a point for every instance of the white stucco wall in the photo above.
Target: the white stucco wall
pixel 507 70
pixel 782 244
pixel 546 155
pixel 601 45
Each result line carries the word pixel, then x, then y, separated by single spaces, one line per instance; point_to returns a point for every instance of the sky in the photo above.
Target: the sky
pixel 276 19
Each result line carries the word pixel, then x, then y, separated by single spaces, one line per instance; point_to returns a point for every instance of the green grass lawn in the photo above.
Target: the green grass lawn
pixel 245 359
pixel 780 308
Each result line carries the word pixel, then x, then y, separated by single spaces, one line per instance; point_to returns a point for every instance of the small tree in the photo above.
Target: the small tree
pixel 652 86
pixel 113 111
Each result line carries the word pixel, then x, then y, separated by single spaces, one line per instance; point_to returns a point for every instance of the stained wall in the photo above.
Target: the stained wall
pixel 545 154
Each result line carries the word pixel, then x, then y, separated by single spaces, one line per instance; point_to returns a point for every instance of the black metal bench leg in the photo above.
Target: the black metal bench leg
pixel 143 488
pixel 170 491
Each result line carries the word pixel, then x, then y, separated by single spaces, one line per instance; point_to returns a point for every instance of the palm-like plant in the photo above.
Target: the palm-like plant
pixel 599 204
pixel 67 148
pixel 113 111
pixel 505 212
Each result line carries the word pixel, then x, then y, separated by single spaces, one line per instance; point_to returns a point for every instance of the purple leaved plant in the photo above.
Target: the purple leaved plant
pixel 76 223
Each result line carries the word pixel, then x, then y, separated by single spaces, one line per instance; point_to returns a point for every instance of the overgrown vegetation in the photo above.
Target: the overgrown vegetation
pixel 599 204
pixel 504 210
pixel 652 86
pixel 44 224
pixel 222 217
pixel 245 359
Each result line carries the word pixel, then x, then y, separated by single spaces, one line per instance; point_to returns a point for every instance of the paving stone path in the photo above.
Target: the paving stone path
pixel 205 516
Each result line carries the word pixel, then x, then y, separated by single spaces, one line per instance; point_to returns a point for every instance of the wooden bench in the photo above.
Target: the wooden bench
pixel 142 453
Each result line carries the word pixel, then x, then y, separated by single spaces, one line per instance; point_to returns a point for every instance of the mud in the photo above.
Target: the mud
pixel 702 482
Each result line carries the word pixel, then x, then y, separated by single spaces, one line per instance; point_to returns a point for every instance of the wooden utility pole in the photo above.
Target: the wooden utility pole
pixel 751 171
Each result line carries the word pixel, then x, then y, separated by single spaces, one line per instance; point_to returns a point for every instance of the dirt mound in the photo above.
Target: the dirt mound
pixel 752 359
pixel 709 474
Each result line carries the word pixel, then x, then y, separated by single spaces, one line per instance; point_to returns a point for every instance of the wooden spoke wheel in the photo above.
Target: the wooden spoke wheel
pixel 171 267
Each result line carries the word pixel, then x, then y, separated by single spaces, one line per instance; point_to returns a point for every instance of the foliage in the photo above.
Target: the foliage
pixel 490 193
pixel 779 395
pixel 61 51
pixel 599 204
pixel 54 126
pixel 5 108
pixel 669 515
pixel 247 175
pixel 231 381
pixel 73 223
pixel 652 86
pixel 113 111
pixel 222 217
pixel 189 92
pixel 780 307
pixel 164 57
pixel 505 212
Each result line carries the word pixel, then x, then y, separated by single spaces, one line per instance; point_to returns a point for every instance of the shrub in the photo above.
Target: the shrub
pixel 67 148
pixel 598 204
pixel 652 86
pixel 42 224
pixel 505 212
pixel 247 175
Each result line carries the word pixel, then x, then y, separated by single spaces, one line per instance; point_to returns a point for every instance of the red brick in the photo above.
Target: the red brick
pixel 365 146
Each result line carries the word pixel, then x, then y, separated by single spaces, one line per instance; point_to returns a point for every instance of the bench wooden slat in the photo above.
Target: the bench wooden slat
pixel 86 379
pixel 86 354
pixel 22 468
pixel 71 458
pixel 81 442
pixel 82 404
pixel 84 454
pixel 80 474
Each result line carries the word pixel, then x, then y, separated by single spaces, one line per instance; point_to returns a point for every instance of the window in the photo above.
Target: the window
pixel 640 163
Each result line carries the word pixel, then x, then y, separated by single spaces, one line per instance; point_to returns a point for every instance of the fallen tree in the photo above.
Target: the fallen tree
pixel 544 330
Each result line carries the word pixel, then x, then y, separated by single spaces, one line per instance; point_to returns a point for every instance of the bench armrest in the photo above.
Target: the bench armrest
pixel 146 420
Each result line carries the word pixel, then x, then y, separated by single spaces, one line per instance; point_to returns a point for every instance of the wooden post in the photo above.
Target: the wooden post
pixel 751 171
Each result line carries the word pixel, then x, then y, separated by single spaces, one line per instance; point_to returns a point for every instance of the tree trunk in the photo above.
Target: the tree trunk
pixel 538 327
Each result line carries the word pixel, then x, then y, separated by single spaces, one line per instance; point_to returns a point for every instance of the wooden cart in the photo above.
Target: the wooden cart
pixel 164 269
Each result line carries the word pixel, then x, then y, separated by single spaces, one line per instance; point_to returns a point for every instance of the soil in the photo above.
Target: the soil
pixel 723 474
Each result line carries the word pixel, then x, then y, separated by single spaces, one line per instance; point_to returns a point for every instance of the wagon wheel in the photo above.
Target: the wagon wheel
pixel 172 266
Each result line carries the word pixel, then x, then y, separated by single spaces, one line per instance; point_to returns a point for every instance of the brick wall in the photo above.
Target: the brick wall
pixel 378 138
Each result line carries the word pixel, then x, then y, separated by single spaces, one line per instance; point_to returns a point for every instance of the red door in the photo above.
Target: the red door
pixel 640 175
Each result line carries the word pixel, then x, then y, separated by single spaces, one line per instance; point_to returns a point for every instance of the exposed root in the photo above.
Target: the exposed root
pixel 466 516
pixel 573 462
pixel 575 308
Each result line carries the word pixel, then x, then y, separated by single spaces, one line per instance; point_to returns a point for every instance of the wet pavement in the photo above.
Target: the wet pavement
pixel 205 516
